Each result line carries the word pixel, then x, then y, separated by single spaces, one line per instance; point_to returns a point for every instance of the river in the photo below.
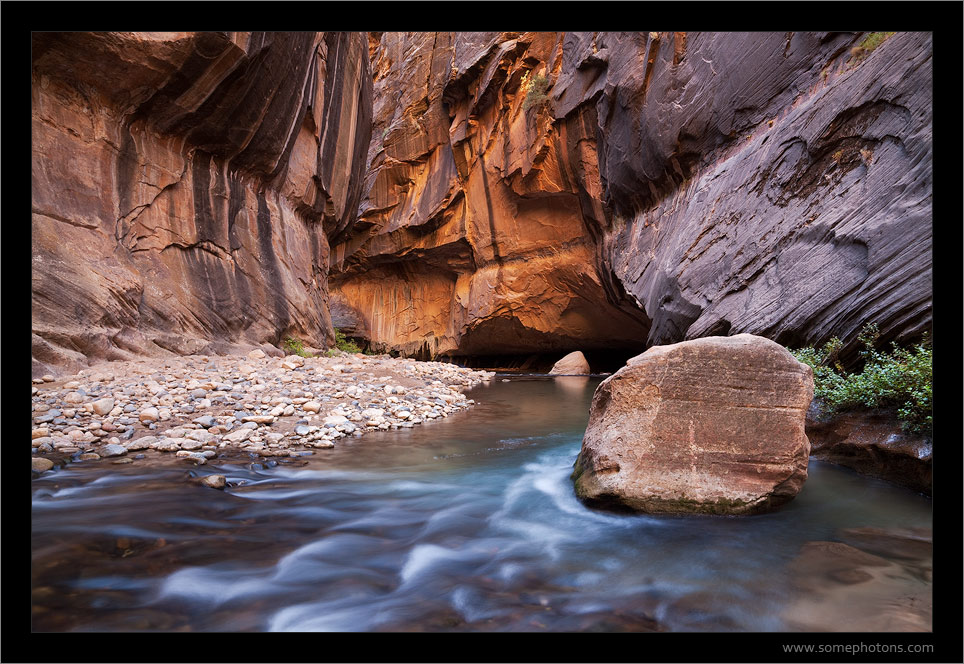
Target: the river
pixel 464 524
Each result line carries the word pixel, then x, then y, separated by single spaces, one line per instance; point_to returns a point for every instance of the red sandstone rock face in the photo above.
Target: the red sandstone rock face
pixel 713 425
pixel 669 186
pixel 185 186
pixel 476 234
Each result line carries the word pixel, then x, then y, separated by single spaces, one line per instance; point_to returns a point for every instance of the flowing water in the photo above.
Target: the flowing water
pixel 465 524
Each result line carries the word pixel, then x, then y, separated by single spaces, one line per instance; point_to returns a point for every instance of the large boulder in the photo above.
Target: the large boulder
pixel 573 364
pixel 713 425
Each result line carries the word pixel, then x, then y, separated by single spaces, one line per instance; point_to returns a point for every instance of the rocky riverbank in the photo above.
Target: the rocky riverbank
pixel 196 408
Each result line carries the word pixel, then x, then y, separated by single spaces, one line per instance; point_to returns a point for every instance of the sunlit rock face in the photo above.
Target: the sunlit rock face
pixel 668 186
pixel 478 230
pixel 185 186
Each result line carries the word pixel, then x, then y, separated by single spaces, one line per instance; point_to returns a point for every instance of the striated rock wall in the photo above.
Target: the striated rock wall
pixel 476 235
pixel 669 186
pixel 476 193
pixel 789 181
pixel 185 186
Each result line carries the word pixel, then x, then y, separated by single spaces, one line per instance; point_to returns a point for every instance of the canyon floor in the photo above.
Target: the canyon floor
pixel 248 407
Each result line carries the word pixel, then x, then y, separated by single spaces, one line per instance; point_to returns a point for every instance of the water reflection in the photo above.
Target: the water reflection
pixel 469 523
pixel 574 385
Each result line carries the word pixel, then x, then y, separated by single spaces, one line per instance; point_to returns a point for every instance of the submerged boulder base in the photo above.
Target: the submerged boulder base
pixel 712 425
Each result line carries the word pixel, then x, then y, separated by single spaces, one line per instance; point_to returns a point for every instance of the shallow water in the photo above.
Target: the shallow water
pixel 464 524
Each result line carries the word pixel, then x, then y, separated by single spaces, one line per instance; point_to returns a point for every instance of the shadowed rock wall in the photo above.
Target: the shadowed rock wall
pixel 669 186
pixel 185 186
pixel 785 188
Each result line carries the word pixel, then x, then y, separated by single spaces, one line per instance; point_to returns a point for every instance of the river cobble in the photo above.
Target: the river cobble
pixel 196 408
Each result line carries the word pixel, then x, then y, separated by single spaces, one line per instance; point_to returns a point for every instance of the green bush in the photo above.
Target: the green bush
pixel 536 93
pixel 295 347
pixel 342 343
pixel 898 380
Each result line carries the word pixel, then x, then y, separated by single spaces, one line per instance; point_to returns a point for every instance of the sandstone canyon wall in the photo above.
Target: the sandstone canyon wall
pixel 185 185
pixel 669 186
pixel 470 194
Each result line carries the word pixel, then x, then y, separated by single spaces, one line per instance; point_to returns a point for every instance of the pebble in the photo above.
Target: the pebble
pixel 252 404
pixel 103 406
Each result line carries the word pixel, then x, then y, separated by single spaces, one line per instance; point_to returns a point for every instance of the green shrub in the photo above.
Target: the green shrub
pixel 295 347
pixel 898 380
pixel 536 93
pixel 342 343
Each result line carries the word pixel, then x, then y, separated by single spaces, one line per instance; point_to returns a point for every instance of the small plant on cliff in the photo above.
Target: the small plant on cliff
pixel 294 346
pixel 867 46
pixel 898 380
pixel 536 92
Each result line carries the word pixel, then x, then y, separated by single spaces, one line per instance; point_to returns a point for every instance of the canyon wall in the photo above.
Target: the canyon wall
pixel 476 194
pixel 185 187
pixel 652 187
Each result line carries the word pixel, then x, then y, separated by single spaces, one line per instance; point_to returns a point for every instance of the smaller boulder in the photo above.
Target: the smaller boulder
pixel 103 406
pixel 214 481
pixel 113 450
pixel 573 364
pixel 41 464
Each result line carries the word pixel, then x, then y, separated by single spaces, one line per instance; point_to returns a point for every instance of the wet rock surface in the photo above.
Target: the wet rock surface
pixel 884 576
pixel 193 409
pixel 714 425
pixel 872 443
